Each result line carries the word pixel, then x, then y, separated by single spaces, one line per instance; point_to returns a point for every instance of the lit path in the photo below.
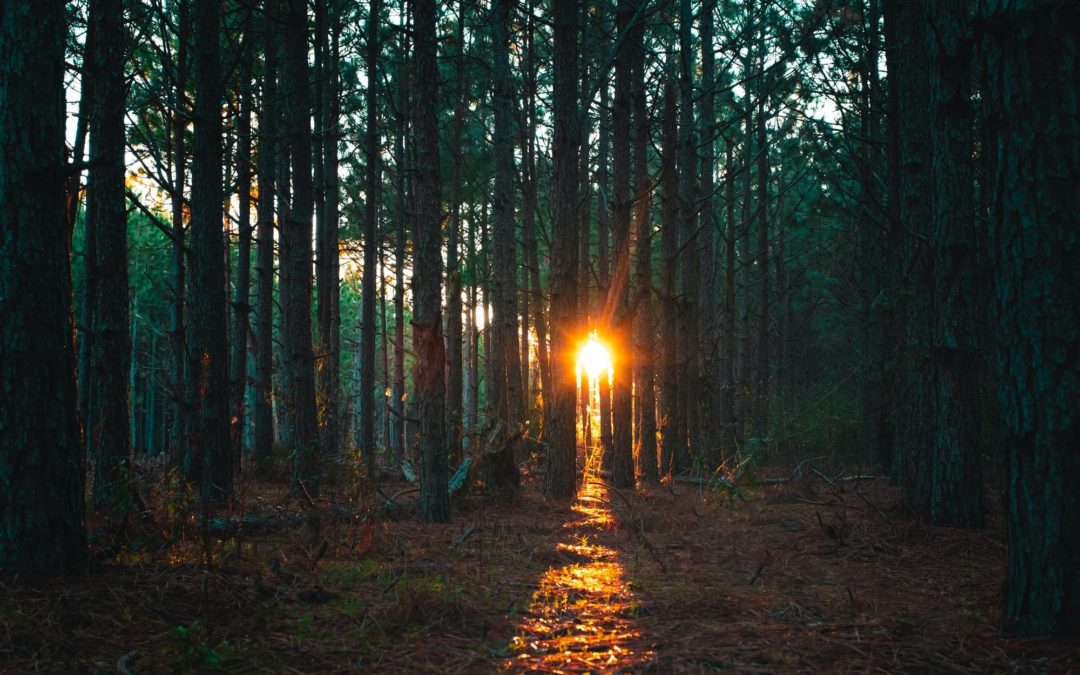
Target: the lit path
pixel 581 617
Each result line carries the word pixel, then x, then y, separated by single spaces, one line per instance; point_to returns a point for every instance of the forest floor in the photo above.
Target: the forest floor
pixel 799 577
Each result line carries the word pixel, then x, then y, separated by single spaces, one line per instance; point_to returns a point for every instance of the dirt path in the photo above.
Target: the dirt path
pixel 582 616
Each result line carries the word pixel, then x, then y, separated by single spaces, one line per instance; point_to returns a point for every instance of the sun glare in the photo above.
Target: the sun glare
pixel 593 358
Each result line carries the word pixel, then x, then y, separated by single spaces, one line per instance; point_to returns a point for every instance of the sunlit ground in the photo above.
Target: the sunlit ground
pixel 581 618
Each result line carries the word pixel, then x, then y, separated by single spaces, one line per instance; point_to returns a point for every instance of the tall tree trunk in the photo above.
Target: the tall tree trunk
pixel 371 247
pixel 761 353
pixel 179 376
pixel 504 375
pixel 268 150
pixel 669 246
pixel 529 213
pixel 913 439
pixel 397 401
pixel 621 462
pixel 686 417
pixel 295 251
pixel 327 257
pixel 241 299
pixel 603 237
pixel 708 405
pixel 208 338
pixel 560 479
pixel 429 376
pixel 107 431
pixel 454 378
pixel 955 472
pixel 42 529
pixel 644 328
pixel 1031 67
pixel 730 440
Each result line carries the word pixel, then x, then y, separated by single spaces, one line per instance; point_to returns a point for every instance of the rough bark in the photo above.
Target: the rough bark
pixel 955 471
pixel 429 374
pixel 208 337
pixel 1030 56
pixel 454 376
pixel 264 255
pixel 670 430
pixel 371 247
pixel 327 256
pixel 913 439
pixel 505 367
pixel 107 433
pixel 644 328
pixel 295 251
pixel 42 512
pixel 560 478
pixel 621 462
pixel 241 317
pixel 686 417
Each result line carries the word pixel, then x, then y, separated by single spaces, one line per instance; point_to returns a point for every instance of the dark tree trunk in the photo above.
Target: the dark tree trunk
pixel 670 431
pixel 529 214
pixel 730 440
pixel 504 374
pixel 295 251
pixel 268 150
pixel 208 337
pixel 761 366
pixel 955 472
pixel 686 418
pixel 603 237
pixel 107 431
pixel 42 512
pixel 913 438
pixel 241 303
pixel 371 247
pixel 621 462
pixel 429 376
pixel 644 328
pixel 397 390
pixel 559 432
pixel 454 376
pixel 327 257
pixel 708 402
pixel 1031 68
pixel 179 409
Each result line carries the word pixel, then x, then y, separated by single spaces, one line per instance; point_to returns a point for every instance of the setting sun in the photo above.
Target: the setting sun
pixel 593 358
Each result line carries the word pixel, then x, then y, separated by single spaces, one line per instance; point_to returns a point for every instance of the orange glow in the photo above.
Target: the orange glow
pixel 594 359
pixel 582 615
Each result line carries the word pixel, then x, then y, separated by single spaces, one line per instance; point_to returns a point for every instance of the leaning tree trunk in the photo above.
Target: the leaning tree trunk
pixel 429 376
pixel 1031 68
pixel 107 431
pixel 42 528
pixel 559 431
pixel 208 337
